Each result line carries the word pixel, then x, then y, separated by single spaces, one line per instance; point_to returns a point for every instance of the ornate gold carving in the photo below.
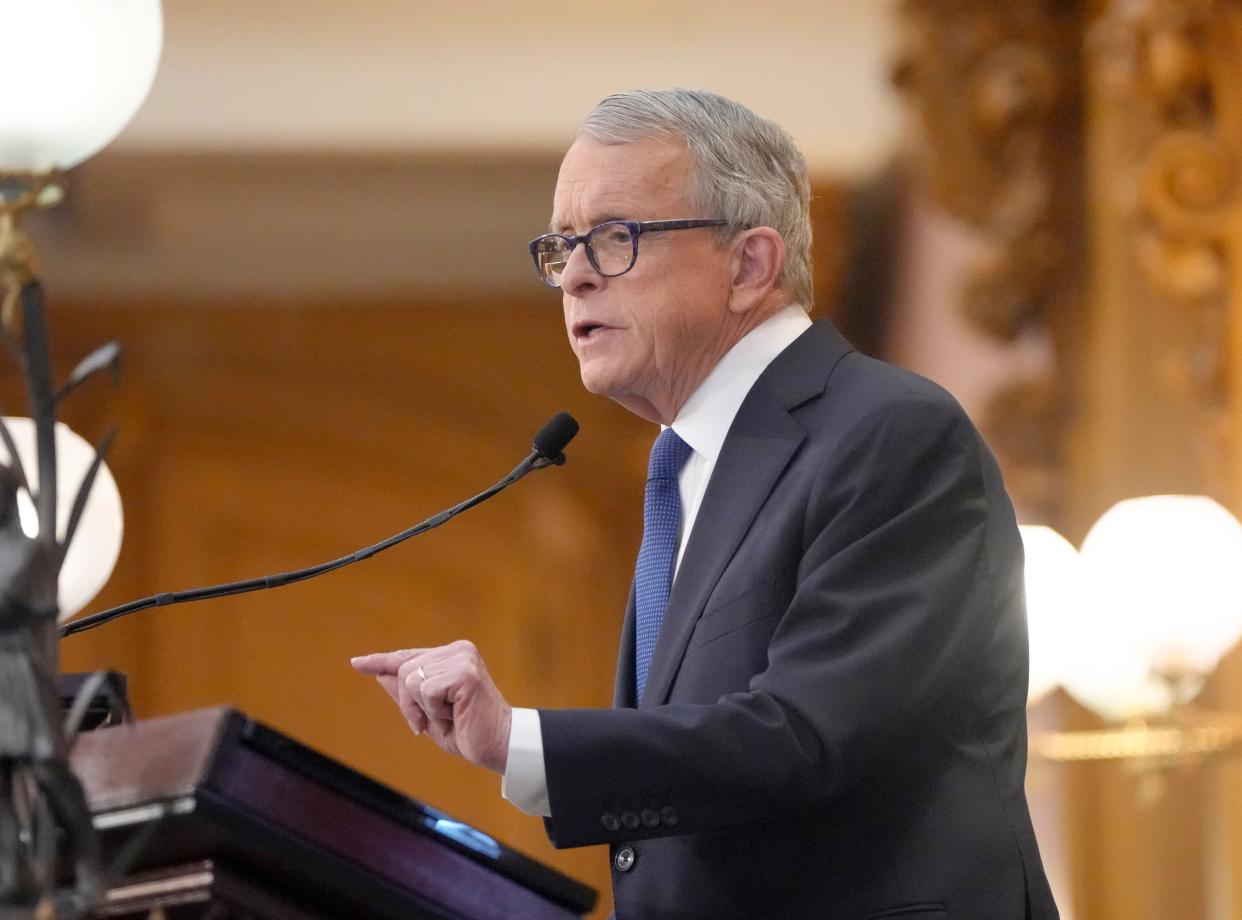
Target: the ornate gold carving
pixel 997 90
pixel 1024 421
pixel 1173 64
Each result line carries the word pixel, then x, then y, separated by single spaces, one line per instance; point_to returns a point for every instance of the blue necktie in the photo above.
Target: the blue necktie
pixel 661 534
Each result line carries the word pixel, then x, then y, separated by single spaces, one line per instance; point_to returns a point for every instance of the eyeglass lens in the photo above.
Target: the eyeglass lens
pixel 610 248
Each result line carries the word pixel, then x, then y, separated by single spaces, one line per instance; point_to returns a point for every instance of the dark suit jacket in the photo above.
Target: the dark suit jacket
pixel 834 721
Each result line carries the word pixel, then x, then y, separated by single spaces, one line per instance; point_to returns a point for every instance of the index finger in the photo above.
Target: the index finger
pixel 383 662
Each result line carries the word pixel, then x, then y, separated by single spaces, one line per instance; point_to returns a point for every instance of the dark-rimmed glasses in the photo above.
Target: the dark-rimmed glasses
pixel 611 247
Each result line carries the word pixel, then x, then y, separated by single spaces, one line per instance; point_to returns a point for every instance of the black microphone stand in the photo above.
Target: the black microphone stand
pixel 549 445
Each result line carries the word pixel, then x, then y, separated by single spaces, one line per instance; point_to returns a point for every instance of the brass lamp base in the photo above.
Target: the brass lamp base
pixel 19 192
pixel 1190 738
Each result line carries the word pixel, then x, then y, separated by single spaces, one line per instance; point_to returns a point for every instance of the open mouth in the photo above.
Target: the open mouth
pixel 584 330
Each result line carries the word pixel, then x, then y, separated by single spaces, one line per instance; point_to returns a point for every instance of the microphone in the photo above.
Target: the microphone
pixel 547 450
pixel 549 444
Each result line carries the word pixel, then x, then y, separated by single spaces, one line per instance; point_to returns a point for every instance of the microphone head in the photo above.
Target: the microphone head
pixel 552 437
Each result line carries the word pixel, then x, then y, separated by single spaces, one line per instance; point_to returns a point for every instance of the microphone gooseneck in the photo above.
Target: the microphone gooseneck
pixel 549 445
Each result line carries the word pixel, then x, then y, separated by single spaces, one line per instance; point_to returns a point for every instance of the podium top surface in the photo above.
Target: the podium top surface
pixel 215 782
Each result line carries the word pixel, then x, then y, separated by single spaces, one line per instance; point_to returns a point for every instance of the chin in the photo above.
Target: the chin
pixel 596 384
pixel 595 378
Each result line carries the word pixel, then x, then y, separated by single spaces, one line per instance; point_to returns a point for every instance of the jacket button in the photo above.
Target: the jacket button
pixel 651 817
pixel 668 816
pixel 610 822
pixel 629 819
pixel 624 859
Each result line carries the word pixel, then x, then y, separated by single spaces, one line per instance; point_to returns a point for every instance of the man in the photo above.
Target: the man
pixel 823 715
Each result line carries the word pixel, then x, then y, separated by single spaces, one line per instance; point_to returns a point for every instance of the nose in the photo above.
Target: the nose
pixel 580 277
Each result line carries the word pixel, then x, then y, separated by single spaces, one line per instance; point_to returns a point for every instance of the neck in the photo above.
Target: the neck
pixel 662 408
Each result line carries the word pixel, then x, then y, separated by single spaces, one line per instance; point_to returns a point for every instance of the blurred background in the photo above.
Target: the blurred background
pixel 311 243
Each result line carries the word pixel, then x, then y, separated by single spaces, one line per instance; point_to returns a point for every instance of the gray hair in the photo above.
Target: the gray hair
pixel 747 169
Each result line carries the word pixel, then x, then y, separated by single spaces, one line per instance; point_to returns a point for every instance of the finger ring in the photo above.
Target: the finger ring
pixel 422 675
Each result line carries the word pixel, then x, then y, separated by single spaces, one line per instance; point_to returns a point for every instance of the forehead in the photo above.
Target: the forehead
pixel 641 180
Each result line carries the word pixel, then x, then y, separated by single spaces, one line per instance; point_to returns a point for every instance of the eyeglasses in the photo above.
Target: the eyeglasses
pixel 611 247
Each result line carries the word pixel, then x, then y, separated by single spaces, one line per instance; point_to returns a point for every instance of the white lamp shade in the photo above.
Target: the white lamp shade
pixel 1053 599
pixel 1162 595
pixel 97 544
pixel 74 73
pixel 1167 576
pixel 1110 678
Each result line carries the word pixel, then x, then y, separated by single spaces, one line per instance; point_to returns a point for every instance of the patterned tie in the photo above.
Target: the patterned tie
pixel 661 533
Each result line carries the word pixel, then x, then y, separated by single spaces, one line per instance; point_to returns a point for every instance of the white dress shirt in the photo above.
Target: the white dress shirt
pixel 703 423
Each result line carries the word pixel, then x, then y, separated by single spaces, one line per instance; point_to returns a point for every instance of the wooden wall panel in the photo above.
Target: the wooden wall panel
pixel 258 439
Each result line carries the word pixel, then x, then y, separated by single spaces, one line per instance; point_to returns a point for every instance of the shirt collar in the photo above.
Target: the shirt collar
pixel 707 415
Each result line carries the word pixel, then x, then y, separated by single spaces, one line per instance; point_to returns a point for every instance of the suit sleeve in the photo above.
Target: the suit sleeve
pixel 894 595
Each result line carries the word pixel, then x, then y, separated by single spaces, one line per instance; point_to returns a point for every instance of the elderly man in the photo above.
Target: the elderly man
pixel 820 700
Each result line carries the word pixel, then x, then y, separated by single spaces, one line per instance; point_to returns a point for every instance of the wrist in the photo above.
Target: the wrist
pixel 500 759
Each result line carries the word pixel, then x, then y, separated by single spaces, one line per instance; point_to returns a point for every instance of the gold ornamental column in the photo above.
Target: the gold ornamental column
pixel 995 89
pixel 1163 133
pixel 1167 148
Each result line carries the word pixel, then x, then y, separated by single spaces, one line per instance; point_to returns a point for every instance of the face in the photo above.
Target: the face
pixel 646 338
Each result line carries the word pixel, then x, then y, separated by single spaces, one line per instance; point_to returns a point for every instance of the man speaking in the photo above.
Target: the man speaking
pixel 820 698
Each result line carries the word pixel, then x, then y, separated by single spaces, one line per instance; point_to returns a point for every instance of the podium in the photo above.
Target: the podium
pixel 230 818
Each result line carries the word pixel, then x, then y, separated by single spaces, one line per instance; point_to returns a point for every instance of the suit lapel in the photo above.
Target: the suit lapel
pixel 762 440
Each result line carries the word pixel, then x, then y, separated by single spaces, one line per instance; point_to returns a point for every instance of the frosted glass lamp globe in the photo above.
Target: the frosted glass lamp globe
pixel 1169 570
pixel 74 73
pixel 1163 604
pixel 97 543
pixel 1054 588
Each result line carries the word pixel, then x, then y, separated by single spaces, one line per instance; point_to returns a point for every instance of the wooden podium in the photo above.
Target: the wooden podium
pixel 232 819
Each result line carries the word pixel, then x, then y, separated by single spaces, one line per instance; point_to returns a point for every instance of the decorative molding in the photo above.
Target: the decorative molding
pixel 1174 65
pixel 997 92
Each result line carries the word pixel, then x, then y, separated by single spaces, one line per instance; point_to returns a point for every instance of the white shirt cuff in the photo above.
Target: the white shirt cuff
pixel 525 783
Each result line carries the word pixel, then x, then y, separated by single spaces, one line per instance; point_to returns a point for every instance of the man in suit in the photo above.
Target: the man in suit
pixel 820 699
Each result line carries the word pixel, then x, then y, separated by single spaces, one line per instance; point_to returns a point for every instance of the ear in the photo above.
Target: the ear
pixel 757 265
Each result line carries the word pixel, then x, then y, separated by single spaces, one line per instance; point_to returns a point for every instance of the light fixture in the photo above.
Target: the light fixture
pixel 1161 605
pixel 1053 575
pixel 93 553
pixel 74 72
pixel 1166 576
